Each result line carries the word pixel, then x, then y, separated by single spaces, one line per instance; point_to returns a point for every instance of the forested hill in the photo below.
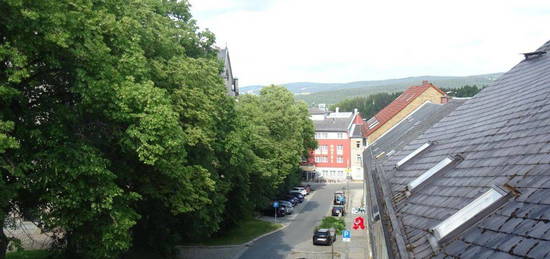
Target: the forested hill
pixel 334 92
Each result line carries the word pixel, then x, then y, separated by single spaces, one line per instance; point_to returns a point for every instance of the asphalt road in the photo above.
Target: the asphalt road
pixel 298 235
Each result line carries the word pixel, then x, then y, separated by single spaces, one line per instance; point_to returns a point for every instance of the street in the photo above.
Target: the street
pixel 297 237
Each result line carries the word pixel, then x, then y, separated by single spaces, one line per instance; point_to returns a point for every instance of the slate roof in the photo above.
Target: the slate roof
pixel 316 111
pixel 503 133
pixel 411 127
pixel 399 104
pixel 333 124
pixel 357 132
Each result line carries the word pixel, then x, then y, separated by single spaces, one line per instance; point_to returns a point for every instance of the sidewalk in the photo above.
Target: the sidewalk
pixel 358 246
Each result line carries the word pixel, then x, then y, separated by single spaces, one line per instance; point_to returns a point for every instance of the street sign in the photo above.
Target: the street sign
pixel 360 210
pixel 346 236
pixel 275 204
pixel 359 222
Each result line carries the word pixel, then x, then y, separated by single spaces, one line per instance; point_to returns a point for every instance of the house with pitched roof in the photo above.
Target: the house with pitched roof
pixel 231 83
pixel 477 183
pixel 339 153
pixel 400 108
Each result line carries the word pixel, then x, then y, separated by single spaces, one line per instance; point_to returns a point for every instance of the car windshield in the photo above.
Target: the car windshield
pixel 321 234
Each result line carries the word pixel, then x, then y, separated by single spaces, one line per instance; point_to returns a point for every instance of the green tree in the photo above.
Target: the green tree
pixel 279 133
pixel 367 106
pixel 101 132
pixel 464 91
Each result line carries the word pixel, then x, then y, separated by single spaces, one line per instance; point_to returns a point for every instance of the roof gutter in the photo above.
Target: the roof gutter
pixel 396 225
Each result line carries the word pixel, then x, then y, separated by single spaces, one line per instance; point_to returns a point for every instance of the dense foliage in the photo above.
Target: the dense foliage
pixel 116 130
pixel 367 106
pixel 464 91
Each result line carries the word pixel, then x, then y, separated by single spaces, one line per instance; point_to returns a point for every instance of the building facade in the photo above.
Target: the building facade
pixel 400 108
pixel 338 156
pixel 231 82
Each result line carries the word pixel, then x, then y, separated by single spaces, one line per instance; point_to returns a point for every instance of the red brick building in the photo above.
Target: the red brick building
pixel 340 146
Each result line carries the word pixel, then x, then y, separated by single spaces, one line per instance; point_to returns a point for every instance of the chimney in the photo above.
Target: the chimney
pixel 425 82
pixel 337 109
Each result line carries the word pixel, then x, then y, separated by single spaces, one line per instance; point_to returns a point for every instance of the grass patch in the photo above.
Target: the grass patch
pixel 333 222
pixel 29 254
pixel 244 232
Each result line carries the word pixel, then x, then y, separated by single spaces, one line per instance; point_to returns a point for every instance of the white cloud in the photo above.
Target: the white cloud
pixel 349 40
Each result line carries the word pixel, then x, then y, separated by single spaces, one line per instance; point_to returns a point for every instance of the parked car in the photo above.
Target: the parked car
pixel 286 203
pixel 306 187
pixel 270 211
pixel 298 192
pixel 297 195
pixel 301 190
pixel 339 198
pixel 323 236
pixel 338 210
pixel 292 199
pixel 289 209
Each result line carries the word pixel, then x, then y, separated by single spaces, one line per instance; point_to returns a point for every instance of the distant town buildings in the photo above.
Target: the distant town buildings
pixel 409 101
pixel 231 83
pixel 339 154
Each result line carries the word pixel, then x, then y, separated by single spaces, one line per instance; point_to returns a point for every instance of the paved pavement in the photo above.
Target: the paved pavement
pixel 295 241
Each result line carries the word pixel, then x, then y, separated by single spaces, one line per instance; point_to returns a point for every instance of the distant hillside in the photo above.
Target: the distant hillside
pixel 334 92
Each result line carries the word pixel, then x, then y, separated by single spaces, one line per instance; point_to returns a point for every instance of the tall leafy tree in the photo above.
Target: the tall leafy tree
pixel 280 134
pixel 101 131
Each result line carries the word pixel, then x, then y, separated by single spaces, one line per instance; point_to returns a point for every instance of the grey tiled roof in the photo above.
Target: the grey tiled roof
pixel 357 132
pixel 333 124
pixel 315 110
pixel 503 133
pixel 409 129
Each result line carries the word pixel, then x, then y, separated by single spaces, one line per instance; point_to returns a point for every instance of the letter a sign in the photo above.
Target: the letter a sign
pixel 359 222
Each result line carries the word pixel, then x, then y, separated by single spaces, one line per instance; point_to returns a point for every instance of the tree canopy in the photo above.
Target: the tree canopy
pixel 367 106
pixel 115 127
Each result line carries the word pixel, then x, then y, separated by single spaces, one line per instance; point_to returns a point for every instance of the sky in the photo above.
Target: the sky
pixel 337 41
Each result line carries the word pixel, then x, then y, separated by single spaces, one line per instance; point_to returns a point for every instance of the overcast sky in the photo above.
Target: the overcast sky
pixel 281 41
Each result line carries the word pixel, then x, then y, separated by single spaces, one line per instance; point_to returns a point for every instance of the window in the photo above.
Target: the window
pixel 426 175
pixel 340 149
pixel 493 198
pixel 324 135
pixel 321 159
pixel 358 158
pixel 317 135
pixel 340 135
pixel 413 154
pixel 358 144
pixel 324 149
pixel 339 160
pixel 372 122
pixel 318 150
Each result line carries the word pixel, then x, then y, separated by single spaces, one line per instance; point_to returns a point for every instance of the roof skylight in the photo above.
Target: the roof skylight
pixel 426 175
pixel 413 154
pixel 474 211
pixel 372 122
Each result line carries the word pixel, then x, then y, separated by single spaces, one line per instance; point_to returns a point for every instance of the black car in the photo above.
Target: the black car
pixel 323 236
pixel 338 210
pixel 297 195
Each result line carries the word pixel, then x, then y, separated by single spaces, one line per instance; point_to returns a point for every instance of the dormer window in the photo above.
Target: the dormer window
pixel 432 171
pixel 468 215
pixel 413 154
